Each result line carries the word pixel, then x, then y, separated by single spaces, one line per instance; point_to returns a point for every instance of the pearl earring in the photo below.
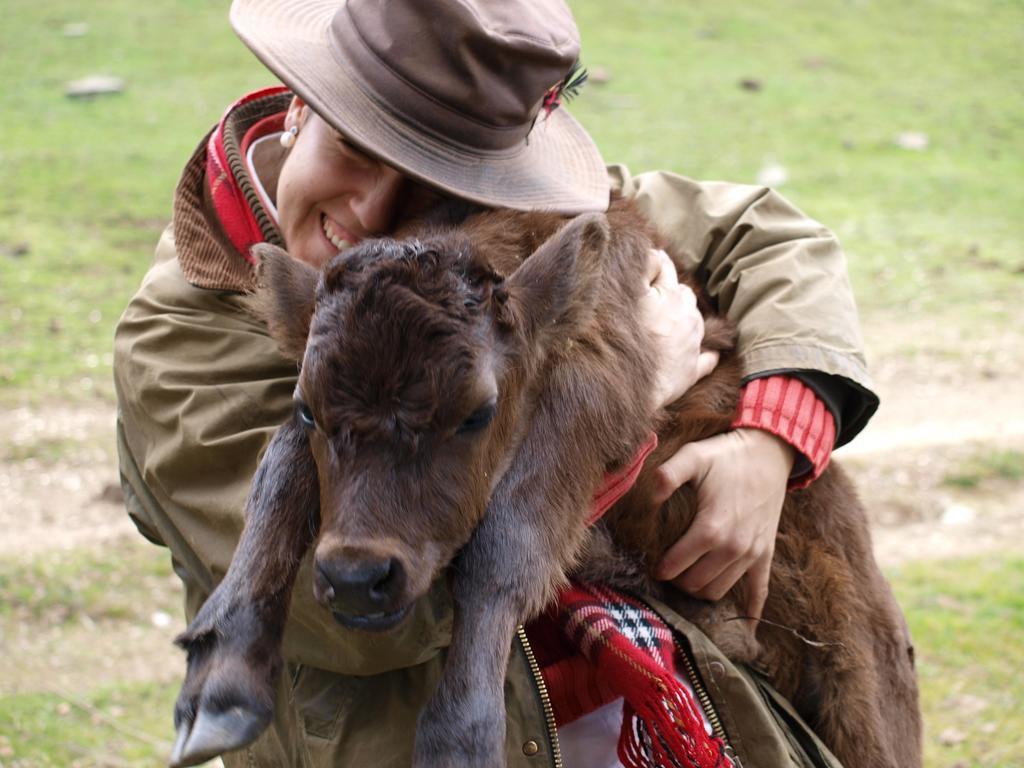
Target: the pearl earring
pixel 288 137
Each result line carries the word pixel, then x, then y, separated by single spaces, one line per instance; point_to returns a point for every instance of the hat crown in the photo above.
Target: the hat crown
pixel 476 72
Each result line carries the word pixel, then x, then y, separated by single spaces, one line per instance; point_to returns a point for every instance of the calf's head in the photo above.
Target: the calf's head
pixel 417 367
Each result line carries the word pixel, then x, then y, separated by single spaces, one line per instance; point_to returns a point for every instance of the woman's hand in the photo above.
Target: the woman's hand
pixel 675 324
pixel 740 478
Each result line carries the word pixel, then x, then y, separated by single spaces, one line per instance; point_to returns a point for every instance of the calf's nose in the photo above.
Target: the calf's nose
pixel 360 587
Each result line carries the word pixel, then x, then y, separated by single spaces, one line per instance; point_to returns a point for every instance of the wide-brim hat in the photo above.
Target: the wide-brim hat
pixel 460 95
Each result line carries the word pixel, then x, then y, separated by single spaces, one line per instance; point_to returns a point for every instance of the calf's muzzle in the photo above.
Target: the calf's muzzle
pixel 363 591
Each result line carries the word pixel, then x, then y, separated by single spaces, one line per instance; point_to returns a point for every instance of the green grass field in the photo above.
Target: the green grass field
pixel 932 234
pixel 88 183
pixel 966 618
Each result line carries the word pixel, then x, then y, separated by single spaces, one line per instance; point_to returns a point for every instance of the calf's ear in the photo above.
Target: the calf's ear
pixel 555 288
pixel 285 297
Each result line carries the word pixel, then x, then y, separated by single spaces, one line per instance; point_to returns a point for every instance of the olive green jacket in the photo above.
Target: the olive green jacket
pixel 201 390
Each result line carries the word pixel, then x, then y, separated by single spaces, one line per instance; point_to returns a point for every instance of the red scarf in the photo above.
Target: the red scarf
pixel 597 645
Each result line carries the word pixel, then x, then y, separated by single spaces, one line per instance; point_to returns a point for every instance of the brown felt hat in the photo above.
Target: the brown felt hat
pixel 450 92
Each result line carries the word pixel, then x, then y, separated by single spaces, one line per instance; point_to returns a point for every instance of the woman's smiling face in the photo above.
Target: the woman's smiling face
pixel 331 195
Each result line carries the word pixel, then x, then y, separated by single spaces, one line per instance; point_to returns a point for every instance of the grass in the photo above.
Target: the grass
pixel 48 450
pixel 839 80
pixel 990 465
pixel 111 726
pixel 88 183
pixel 964 617
pixel 127 584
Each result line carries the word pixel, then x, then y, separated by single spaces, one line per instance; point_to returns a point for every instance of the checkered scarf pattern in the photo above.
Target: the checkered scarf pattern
pixel 631 651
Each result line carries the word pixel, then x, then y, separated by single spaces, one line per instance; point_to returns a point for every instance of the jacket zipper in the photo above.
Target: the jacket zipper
pixel 698 687
pixel 705 700
pixel 545 699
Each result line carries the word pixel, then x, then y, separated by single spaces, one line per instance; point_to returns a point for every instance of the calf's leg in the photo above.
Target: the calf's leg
pixel 234 642
pixel 506 573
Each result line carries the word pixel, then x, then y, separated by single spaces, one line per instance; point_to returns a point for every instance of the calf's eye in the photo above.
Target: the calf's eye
pixel 305 415
pixel 479 419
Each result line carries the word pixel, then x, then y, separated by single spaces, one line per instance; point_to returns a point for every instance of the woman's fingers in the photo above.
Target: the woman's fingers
pixel 676 328
pixel 740 479
pixel 688 463
pixel 714 581
pixel 757 585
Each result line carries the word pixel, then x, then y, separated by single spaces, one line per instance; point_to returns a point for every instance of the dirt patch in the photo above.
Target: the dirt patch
pixel 944 400
pixel 941 388
pixel 58 479
pixel 949 401
pixel 937 502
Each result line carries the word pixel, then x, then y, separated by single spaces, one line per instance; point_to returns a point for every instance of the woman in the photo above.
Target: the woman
pixel 389 108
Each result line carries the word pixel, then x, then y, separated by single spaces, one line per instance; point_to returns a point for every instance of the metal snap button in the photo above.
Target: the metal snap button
pixel 717 669
pixel 531 748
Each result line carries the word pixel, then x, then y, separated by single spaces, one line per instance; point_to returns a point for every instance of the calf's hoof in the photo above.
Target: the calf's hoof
pixel 212 733
pixel 227 698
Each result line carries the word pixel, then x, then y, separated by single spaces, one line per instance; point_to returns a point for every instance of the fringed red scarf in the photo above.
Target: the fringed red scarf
pixel 600 645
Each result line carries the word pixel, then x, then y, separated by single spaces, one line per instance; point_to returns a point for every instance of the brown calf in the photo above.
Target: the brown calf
pixel 459 401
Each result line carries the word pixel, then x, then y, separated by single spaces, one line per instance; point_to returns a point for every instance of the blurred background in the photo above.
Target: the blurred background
pixel 900 125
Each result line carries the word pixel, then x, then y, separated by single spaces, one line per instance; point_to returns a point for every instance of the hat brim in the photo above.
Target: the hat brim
pixel 559 168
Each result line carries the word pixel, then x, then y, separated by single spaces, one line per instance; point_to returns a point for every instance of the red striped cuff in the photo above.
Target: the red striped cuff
pixel 789 409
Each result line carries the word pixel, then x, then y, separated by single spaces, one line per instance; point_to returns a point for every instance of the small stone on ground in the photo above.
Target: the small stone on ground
pixel 93 85
pixel 76 29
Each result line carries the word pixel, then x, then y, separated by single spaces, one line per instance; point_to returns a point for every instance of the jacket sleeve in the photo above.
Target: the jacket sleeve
pixel 201 391
pixel 777 274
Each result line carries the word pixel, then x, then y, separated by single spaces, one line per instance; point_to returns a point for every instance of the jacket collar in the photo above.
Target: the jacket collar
pixel 218 214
